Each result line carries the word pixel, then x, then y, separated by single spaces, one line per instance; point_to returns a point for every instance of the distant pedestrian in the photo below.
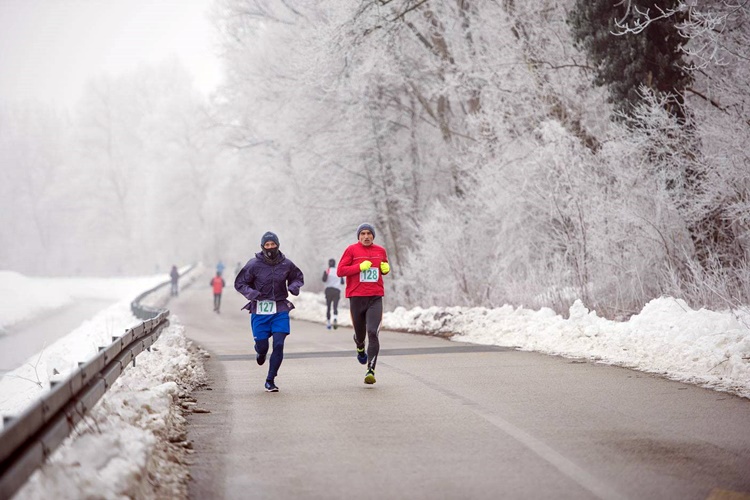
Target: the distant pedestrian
pixel 217 283
pixel 174 275
pixel 333 293
pixel 364 264
pixel 264 281
pixel 220 267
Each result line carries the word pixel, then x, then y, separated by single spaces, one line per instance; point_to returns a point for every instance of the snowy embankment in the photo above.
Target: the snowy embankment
pixel 667 337
pixel 23 298
pixel 133 443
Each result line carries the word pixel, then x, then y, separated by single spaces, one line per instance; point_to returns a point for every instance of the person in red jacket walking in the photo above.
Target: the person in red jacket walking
pixel 364 264
pixel 217 283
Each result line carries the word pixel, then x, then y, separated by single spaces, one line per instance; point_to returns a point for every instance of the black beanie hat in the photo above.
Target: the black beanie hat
pixel 269 236
pixel 365 225
pixel 331 262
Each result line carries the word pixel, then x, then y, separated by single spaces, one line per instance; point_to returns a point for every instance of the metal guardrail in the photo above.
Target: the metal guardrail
pixel 27 440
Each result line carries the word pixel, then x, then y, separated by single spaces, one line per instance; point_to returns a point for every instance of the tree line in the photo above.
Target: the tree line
pixel 528 153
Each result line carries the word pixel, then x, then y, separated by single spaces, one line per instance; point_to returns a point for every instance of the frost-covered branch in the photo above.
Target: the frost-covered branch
pixel 642 18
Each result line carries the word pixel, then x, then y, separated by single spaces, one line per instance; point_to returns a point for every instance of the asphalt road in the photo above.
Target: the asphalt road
pixel 448 420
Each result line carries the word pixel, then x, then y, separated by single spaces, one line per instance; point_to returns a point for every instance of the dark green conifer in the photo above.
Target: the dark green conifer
pixel 624 62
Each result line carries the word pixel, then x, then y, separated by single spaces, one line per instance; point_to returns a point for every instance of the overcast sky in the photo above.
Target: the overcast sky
pixel 50 48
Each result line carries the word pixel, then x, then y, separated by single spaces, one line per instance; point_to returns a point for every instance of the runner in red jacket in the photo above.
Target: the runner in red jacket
pixel 364 264
pixel 217 283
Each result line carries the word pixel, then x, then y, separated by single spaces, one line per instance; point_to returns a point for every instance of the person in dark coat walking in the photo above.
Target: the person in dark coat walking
pixel 174 275
pixel 265 281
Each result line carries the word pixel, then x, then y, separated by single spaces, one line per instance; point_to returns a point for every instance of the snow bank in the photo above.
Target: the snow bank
pixel 28 382
pixel 312 307
pixel 667 337
pixel 133 443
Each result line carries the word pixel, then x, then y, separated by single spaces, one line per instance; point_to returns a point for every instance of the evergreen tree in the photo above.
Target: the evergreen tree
pixel 623 62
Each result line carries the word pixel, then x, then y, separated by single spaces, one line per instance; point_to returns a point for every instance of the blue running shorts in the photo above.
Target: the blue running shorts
pixel 265 324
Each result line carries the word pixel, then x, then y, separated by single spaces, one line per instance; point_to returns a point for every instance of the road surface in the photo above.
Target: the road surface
pixel 448 420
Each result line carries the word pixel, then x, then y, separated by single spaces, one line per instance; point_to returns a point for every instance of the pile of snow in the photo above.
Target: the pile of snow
pixel 133 444
pixel 30 381
pixel 667 337
pixel 312 307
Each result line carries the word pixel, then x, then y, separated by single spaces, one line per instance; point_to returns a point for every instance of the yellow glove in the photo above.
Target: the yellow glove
pixel 365 265
pixel 385 268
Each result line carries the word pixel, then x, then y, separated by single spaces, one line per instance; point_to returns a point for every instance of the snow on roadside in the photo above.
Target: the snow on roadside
pixel 23 298
pixel 310 306
pixel 28 382
pixel 667 337
pixel 133 442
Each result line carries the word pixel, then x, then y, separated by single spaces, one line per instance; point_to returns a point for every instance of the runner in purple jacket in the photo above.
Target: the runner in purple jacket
pixel 264 281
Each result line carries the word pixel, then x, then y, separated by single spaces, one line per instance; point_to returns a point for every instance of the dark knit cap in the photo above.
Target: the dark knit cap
pixel 363 226
pixel 269 236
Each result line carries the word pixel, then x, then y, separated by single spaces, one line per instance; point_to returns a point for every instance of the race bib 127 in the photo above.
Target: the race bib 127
pixel 266 307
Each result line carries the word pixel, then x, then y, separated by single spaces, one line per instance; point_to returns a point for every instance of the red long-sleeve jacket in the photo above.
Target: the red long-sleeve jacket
pixel 218 285
pixel 349 263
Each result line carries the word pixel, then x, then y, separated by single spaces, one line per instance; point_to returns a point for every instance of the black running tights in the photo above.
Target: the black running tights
pixel 367 313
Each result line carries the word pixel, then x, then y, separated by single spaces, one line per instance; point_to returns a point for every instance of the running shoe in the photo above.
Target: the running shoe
pixel 362 356
pixel 271 387
pixel 370 376
pixel 335 323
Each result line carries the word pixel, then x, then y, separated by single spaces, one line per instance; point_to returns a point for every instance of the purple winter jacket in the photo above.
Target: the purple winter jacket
pixel 264 280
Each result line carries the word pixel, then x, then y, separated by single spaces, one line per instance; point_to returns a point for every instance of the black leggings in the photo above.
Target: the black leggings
pixel 367 313
pixel 277 356
pixel 332 298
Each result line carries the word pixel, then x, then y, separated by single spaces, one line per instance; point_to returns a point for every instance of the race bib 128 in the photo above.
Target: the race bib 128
pixel 369 276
